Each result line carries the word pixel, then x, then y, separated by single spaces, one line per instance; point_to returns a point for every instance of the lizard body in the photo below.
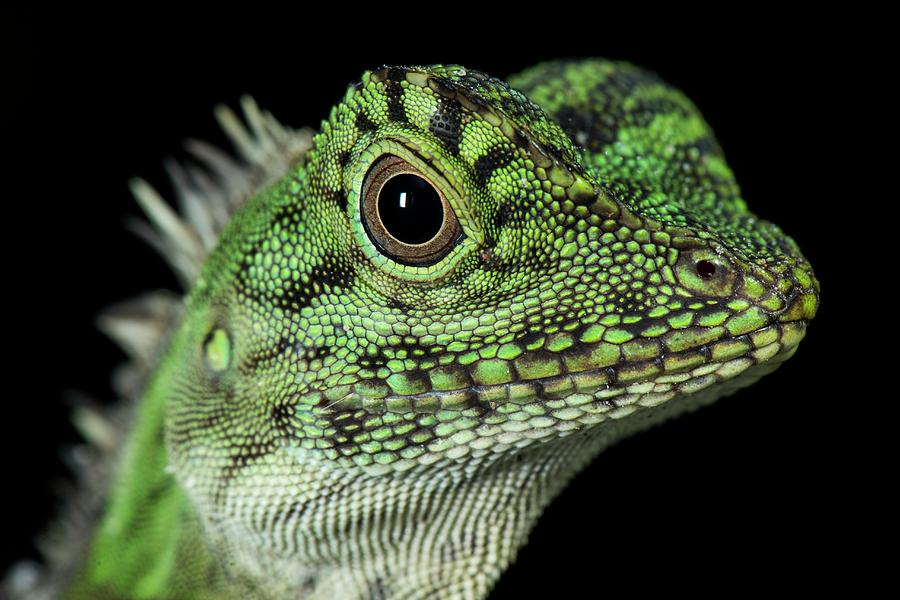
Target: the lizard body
pixel 352 408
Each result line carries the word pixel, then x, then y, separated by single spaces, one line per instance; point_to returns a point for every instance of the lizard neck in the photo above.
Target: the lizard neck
pixel 450 534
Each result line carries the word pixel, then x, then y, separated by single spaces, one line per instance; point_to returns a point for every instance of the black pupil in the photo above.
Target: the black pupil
pixel 410 209
pixel 705 269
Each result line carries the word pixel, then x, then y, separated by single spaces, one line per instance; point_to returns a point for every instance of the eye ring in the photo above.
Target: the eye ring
pixel 421 228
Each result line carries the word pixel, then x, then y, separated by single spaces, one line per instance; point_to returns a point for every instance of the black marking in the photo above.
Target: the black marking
pixel 465 87
pixel 443 86
pixel 348 423
pixel 587 128
pixel 397 304
pixel 246 454
pixel 281 418
pixel 363 123
pixel 660 363
pixel 504 213
pixel 297 509
pixel 645 110
pixel 597 124
pixel 343 158
pixel 250 365
pixel 153 495
pixel 490 95
pixel 375 362
pixel 612 380
pixel 394 93
pixel 555 151
pixel 213 420
pixel 489 259
pixel 339 198
pixel 395 74
pixel 705 145
pixel 705 352
pixel 413 350
pixel 496 158
pixel 294 295
pixel 249 453
pixel 418 376
pixel 377 589
pixel 299 293
pixel 621 84
pixel 309 584
pixel 446 124
pixel 522 140
pixel 510 105
pixel 476 401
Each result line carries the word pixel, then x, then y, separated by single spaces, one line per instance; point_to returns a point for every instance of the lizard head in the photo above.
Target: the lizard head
pixel 445 275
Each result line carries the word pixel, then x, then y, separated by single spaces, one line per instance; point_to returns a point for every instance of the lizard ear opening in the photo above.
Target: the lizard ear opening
pixel 217 347
pixel 406 216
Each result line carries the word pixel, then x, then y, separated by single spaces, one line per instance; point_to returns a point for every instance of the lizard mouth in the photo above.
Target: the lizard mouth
pixel 401 431
pixel 649 381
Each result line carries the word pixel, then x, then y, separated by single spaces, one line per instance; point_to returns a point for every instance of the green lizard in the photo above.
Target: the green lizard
pixel 403 338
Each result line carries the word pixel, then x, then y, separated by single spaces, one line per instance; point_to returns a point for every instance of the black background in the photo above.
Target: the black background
pixel 749 494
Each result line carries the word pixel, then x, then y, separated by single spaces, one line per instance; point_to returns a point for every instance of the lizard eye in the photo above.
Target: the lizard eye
pixel 406 216
pixel 706 269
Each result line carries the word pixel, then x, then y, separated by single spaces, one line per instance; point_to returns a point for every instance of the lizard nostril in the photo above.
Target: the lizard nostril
pixel 705 269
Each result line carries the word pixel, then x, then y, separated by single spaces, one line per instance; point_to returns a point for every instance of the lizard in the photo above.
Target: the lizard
pixel 406 333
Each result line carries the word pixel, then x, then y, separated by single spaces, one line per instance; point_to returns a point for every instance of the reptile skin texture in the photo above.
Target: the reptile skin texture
pixel 335 412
